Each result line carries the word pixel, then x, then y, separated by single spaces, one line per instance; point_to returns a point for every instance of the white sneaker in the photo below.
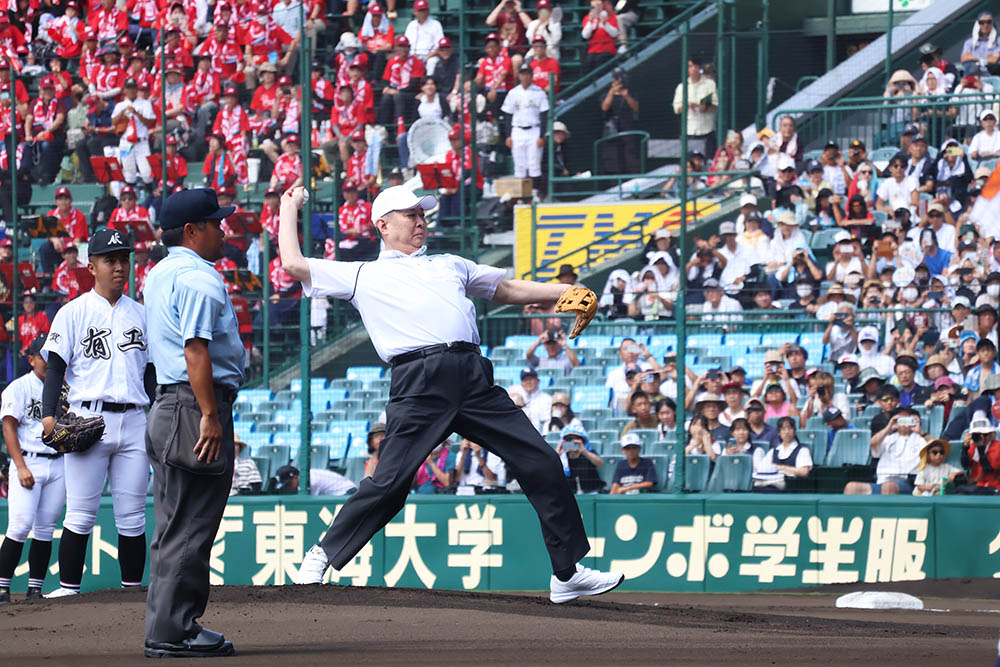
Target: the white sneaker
pixel 584 582
pixel 61 593
pixel 313 566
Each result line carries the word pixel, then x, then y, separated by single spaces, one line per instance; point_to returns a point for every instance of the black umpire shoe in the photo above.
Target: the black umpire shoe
pixel 34 593
pixel 206 644
pixel 4 596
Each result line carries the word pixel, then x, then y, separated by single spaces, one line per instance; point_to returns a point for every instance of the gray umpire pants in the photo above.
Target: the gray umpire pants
pixel 189 508
pixel 429 399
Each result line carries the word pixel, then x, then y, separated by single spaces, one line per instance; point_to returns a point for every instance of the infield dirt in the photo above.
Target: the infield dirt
pixel 332 625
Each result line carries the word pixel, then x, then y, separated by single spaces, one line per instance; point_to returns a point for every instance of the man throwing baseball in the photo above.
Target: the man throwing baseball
pixel 417 311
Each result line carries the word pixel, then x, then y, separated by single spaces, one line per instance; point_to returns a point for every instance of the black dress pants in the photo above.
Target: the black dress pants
pixel 430 398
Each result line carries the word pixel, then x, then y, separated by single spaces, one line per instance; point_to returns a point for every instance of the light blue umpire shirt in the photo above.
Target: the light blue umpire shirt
pixel 185 298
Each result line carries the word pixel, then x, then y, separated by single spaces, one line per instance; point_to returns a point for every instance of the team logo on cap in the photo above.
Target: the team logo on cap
pixel 115 239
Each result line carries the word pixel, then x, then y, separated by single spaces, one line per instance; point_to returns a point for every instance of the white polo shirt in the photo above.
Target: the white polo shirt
pixel 899 456
pixel 408 301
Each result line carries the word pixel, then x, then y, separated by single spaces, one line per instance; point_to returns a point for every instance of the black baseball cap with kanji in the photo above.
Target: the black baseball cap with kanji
pixel 192 206
pixel 105 241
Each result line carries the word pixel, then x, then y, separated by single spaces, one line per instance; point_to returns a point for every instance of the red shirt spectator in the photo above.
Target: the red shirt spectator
pixel 177 48
pixel 143 265
pixel 90 62
pixel 494 70
pixel 281 282
pixel 29 326
pixel 177 166
pixel 218 168
pixel 63 280
pixel 110 76
pixel 978 475
pixel 5 128
pixel 123 214
pixel 108 21
pixel 233 123
pixel 143 12
pixel 263 98
pixel 267 41
pixel 12 40
pixel 542 65
pixel 600 32
pixel 377 33
pixel 227 58
pixel 71 217
pixel 67 32
pixel 347 114
pixel 342 63
pixel 269 213
pixel 460 170
pixel 323 92
pixel 44 113
pixel 287 170
pixel 205 86
pixel 402 68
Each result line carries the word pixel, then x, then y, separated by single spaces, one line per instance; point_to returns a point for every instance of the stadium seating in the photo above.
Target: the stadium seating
pixel 850 447
pixel 732 472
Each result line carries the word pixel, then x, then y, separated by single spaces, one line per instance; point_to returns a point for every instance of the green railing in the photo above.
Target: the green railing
pixel 594 254
pixel 643 147
pixel 590 79
pixel 879 121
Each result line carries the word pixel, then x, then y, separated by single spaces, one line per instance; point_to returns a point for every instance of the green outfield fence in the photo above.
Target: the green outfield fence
pixel 701 543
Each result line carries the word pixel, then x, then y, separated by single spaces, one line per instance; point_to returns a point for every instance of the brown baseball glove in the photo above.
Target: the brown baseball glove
pixel 73 433
pixel 581 301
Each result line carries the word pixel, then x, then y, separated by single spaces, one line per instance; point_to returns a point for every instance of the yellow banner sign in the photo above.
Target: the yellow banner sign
pixel 561 229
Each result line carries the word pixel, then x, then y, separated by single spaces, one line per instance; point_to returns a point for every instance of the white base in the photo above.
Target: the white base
pixel 879 600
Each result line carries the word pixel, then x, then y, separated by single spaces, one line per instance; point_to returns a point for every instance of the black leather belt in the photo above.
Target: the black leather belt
pixel 525 127
pixel 41 455
pixel 108 406
pixel 455 346
pixel 227 393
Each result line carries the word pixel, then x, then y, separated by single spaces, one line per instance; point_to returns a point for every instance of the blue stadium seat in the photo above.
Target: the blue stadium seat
pixel 354 469
pixel 278 455
pixel 710 340
pixel 337 444
pixel 255 396
pixel 850 447
pixel 271 427
pixel 357 429
pixel 520 342
pixel 616 341
pixel 733 472
pixel 364 373
pixel 319 455
pixel 811 339
pixel 815 440
pixel 696 472
pixel 314 384
pixel 597 342
pixel 604 441
pixel 740 339
pixel 778 338
pixel 553 438
pixel 588 397
pixel 508 375
pixel 256 440
pixel 663 340
pixel 290 439
pixel 607 471
pixel 288 416
pixel 872 411
pixel 264 468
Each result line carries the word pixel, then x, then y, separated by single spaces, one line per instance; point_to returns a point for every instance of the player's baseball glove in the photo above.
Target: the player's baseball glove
pixel 73 433
pixel 581 301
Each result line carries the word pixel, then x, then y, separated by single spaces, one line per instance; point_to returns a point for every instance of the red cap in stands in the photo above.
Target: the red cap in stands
pixel 544 4
pixel 6 243
pixel 89 34
pixel 420 5
pixel 491 37
pixel 230 90
pixel 48 82
pixel 127 190
pixel 224 7
pixel 293 138
pixel 4 18
pixel 285 80
pixel 63 192
pixel 171 140
pixel 124 41
pixel 444 43
pixel 402 41
pixel 374 9
pixel 174 66
pixel 227 190
pixel 69 247
pixel 144 84
pixel 140 246
pixel 358 135
pixel 74 4
pixel 272 193
pixel 539 40
pixel 455 132
pixel 350 184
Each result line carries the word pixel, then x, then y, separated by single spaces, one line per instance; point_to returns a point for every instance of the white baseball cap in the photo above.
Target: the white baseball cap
pixel 747 199
pixel 399 198
pixel 868 333
pixel 631 440
pixel 727 228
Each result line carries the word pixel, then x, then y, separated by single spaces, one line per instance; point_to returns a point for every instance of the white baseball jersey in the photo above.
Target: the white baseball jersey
pixel 22 400
pixel 525 105
pixel 104 348
pixel 143 108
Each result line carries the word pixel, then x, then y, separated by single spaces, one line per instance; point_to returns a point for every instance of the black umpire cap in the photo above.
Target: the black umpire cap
pixel 192 206
pixel 36 345
pixel 106 240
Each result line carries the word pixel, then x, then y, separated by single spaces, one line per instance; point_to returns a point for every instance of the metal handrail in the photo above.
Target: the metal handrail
pixel 633 225
pixel 643 144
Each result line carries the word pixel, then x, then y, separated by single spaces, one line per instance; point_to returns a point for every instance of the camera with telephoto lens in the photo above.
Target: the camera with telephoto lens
pixel 907 421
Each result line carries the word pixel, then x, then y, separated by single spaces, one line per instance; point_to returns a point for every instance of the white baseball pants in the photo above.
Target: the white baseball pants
pixel 120 456
pixel 35 510
pixel 527 154
pixel 135 162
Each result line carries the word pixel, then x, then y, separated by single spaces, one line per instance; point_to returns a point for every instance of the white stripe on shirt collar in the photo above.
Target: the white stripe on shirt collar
pixel 392 254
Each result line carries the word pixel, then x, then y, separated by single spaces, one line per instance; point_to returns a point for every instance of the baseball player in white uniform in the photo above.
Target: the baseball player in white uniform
pixel 528 107
pixel 98 342
pixel 133 146
pixel 37 489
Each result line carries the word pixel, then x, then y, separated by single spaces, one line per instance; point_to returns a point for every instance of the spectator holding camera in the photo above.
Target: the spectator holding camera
pixel 476 468
pixel 558 355
pixel 981 457
pixel 580 461
pixel 840 335
pixel 635 357
pixel 635 474
pixel 775 373
pixel 822 397
pixel 897 448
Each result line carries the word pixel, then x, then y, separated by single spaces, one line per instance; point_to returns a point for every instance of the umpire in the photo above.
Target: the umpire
pixel 195 346
pixel 418 313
